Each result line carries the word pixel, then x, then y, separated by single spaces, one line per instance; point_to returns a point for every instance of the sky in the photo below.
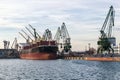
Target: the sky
pixel 83 19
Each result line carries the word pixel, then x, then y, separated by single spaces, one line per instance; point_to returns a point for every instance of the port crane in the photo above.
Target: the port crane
pixel 47 35
pixel 6 44
pixel 106 41
pixel 14 44
pixel 62 34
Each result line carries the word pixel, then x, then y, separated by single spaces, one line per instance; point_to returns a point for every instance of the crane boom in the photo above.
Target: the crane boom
pixel 30 31
pixel 26 34
pixel 22 35
pixel 36 32
pixel 109 22
pixel 34 35
pixel 58 35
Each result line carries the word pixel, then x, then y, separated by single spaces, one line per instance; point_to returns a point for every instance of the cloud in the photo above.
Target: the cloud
pixel 83 18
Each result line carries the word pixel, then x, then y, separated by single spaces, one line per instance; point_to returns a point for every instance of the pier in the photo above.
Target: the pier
pixel 9 53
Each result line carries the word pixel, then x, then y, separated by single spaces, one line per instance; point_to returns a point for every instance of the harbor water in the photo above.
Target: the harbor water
pixel 18 69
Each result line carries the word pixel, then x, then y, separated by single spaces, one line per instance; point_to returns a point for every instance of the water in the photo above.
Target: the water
pixel 17 69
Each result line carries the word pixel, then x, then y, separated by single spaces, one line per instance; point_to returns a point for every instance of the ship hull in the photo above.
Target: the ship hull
pixel 38 56
pixel 39 53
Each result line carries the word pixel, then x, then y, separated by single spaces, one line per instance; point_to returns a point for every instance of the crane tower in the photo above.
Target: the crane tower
pixel 106 41
pixel 62 34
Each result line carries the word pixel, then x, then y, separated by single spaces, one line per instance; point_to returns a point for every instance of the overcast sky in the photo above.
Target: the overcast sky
pixel 83 18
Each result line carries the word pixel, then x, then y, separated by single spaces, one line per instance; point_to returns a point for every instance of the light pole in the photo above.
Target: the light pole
pixel 89 46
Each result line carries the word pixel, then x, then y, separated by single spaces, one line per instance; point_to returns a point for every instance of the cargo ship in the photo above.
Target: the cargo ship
pixel 40 49
pixel 43 50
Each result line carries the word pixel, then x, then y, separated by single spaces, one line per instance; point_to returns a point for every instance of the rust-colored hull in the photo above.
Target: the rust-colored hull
pixel 38 56
pixel 102 58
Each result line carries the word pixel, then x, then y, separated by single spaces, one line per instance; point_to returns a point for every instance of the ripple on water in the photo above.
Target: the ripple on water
pixel 99 70
pixel 16 69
